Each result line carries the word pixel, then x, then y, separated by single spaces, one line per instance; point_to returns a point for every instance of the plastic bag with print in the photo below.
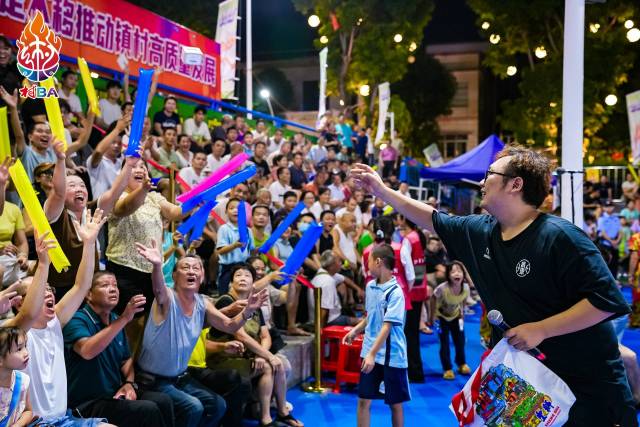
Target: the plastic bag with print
pixel 512 388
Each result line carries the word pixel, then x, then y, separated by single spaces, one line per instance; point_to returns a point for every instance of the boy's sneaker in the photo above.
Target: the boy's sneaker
pixel 448 375
pixel 464 369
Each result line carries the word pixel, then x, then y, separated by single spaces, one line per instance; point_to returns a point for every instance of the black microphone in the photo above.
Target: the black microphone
pixel 496 319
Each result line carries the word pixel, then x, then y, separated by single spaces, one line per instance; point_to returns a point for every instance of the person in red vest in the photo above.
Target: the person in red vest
pixel 414 240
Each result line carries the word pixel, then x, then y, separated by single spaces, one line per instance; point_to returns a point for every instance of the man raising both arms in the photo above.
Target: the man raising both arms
pixel 543 274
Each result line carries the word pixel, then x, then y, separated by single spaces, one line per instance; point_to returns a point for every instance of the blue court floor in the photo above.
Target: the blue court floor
pixel 430 401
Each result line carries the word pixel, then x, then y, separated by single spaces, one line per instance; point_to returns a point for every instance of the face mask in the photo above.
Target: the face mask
pixel 303 226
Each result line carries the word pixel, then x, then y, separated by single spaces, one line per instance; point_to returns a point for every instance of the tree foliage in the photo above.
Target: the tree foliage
pixel 523 26
pixel 427 90
pixel 362 50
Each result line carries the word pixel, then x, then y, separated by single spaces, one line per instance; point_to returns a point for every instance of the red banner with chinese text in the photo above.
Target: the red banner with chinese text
pixel 100 30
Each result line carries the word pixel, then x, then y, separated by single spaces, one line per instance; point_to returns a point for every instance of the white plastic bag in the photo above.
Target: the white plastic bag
pixel 512 388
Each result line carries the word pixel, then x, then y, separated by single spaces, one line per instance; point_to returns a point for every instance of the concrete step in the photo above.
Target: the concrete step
pixel 299 351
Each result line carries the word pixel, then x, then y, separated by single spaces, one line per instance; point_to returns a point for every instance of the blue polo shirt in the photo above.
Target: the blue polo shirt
pixel 610 224
pixel 385 303
pixel 100 376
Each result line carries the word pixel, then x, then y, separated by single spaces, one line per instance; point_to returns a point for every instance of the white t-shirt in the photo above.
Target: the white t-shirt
pixel 110 112
pixel 277 190
pixel 336 192
pixel 202 130
pixel 46 368
pixel 103 175
pixel 329 299
pixel 184 162
pixel 191 177
pixel 73 100
pixel 215 164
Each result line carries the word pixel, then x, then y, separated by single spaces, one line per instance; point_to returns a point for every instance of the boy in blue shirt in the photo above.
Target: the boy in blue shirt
pixel 384 350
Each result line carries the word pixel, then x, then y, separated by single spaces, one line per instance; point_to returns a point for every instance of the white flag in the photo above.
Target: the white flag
pixel 226 37
pixel 384 97
pixel 633 111
pixel 322 97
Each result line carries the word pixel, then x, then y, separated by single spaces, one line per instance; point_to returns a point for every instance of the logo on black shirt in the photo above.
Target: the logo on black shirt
pixel 486 254
pixel 523 267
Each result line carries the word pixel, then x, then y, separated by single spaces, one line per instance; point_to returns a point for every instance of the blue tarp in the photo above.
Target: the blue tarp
pixel 471 165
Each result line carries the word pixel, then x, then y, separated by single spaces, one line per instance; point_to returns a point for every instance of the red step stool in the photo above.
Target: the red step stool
pixel 332 337
pixel 349 363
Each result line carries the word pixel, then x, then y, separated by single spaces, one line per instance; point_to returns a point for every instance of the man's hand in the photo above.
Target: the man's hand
pixel 255 300
pixel 127 392
pixel 9 249
pixel 43 245
pixel 276 363
pixel 123 123
pixel 235 348
pixel 59 149
pixel 526 336
pixel 236 307
pixel 151 254
pixel 89 231
pixel 348 339
pixel 10 99
pixel 134 306
pixel 367 178
pixel 4 170
pixel 9 297
pixel 367 364
pixel 258 364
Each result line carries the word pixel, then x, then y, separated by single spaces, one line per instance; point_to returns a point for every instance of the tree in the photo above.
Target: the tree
pixel 361 42
pixel 427 90
pixel 523 31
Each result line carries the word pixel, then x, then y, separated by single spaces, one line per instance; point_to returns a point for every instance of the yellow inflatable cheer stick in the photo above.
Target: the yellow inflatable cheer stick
pixel 53 113
pixel 88 86
pixel 629 166
pixel 5 147
pixel 35 212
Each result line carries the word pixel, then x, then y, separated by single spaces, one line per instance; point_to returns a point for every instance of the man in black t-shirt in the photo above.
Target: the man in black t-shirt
pixel 259 151
pixel 545 276
pixel 167 118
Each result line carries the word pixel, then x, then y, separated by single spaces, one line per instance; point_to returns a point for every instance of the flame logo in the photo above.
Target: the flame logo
pixel 38 50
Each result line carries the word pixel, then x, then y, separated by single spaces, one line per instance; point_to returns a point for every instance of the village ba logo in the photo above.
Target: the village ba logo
pixel 523 267
pixel 38 50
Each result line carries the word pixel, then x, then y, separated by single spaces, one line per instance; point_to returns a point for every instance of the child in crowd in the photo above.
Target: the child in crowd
pixel 15 408
pixel 230 250
pixel 384 350
pixel 448 304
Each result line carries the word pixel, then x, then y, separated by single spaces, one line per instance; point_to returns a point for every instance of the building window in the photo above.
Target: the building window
pixel 461 97
pixel 454 145
pixel 310 93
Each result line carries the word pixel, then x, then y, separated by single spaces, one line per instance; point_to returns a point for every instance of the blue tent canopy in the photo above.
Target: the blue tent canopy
pixel 471 165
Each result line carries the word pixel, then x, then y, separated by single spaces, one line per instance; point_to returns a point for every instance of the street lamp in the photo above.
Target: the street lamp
pixel 313 21
pixel 324 39
pixel 397 38
pixel 611 100
pixel 494 38
pixel 413 46
pixel 633 35
pixel 485 25
pixel 594 27
pixel 365 90
pixel 540 52
pixel 628 24
pixel 512 70
pixel 266 95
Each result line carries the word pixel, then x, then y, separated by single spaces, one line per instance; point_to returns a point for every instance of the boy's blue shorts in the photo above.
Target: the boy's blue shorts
pixel 396 384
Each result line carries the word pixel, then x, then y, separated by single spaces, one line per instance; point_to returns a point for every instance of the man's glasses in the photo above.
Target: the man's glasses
pixel 490 172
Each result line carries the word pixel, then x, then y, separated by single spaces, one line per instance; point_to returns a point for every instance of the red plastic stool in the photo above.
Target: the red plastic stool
pixel 331 339
pixel 349 363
